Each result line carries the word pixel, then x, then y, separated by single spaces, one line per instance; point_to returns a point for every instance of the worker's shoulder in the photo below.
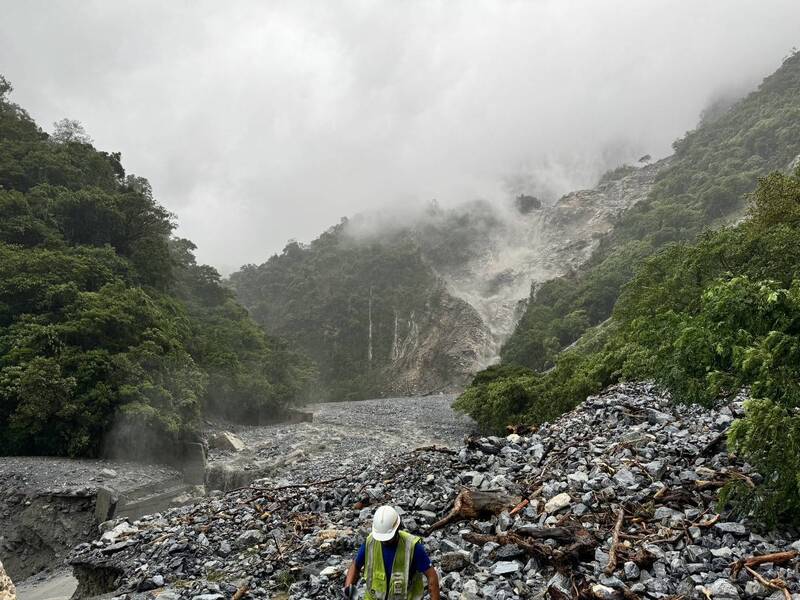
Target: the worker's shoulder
pixel 409 535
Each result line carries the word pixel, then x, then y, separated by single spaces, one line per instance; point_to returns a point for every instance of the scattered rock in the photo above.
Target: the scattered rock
pixel 225 440
pixel 454 561
pixel 556 503
pixel 629 446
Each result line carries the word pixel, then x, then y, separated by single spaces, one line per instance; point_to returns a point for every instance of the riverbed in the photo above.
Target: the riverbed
pixel 350 434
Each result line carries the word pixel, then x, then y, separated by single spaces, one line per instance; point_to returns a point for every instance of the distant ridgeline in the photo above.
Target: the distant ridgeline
pixel 372 314
pixel 110 332
pixel 704 313
pixel 415 304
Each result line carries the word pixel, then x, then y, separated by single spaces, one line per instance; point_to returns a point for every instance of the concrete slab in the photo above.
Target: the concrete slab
pixel 59 586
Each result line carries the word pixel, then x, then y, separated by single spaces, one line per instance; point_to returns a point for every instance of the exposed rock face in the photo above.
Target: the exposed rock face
pixel 416 305
pixel 488 276
pixel 7 589
pixel 440 349
pixel 621 504
pixel 515 253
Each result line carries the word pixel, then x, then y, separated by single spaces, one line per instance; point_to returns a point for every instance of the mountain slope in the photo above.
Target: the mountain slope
pixel 111 336
pixel 417 305
pixel 703 319
pixel 373 315
pixel 712 169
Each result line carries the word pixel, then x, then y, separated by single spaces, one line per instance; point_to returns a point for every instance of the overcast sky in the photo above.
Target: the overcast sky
pixel 260 121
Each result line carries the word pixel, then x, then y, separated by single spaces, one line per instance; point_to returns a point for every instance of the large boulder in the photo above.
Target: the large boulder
pixel 225 440
pixel 7 589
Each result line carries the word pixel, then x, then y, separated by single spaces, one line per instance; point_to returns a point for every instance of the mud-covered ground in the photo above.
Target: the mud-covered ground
pixel 46 505
pixel 36 531
pixel 357 434
pixel 40 475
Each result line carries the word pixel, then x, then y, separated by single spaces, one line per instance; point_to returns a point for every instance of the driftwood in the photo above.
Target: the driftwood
pixel 581 547
pixel 474 504
pixel 433 448
pixel 520 429
pixel 240 593
pixel 754 561
pixel 519 507
pixel 612 554
pixel 775 584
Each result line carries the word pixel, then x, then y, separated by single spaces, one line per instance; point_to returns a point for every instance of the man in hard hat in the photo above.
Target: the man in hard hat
pixel 393 561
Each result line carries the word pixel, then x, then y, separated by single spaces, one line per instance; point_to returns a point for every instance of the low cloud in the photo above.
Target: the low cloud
pixel 259 122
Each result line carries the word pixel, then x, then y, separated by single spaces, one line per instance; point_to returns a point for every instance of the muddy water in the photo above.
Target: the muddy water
pixel 355 434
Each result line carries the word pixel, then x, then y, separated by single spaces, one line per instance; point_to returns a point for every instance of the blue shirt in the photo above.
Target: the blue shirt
pixel 419 564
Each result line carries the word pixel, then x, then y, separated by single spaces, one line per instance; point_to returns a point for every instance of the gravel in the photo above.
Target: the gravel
pixel 656 462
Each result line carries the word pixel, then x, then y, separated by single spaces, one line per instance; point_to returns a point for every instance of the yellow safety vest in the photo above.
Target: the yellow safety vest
pixel 398 587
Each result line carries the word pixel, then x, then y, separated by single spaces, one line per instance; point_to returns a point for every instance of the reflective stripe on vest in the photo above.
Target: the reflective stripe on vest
pixel 397 588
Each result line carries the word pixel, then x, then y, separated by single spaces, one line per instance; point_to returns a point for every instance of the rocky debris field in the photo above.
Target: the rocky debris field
pixel 42 475
pixel 46 506
pixel 616 499
pixel 342 435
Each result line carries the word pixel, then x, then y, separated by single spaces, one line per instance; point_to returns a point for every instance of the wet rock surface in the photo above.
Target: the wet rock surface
pixel 621 503
pixel 47 506
pixel 342 435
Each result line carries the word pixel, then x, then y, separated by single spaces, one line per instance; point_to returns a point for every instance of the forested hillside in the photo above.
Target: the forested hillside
pixel 712 170
pixel 107 324
pixel 411 304
pixel 371 313
pixel 704 317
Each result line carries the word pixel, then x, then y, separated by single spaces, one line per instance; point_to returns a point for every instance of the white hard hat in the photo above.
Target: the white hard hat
pixel 385 523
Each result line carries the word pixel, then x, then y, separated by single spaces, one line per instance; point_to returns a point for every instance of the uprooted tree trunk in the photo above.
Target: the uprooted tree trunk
pixel 577 544
pixel 475 504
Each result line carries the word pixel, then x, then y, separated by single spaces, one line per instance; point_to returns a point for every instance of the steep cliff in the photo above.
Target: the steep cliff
pixel 417 305
pixel 373 315
pixel 524 248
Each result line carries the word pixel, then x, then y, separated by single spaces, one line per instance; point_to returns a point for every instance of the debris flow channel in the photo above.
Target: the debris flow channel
pixel 616 499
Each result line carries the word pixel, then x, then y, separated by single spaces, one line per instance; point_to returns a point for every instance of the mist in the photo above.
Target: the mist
pixel 260 122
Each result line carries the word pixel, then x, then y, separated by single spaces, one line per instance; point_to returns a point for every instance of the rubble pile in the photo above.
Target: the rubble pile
pixel 338 438
pixel 617 499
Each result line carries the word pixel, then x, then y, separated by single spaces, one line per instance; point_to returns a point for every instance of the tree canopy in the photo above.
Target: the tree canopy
pixel 107 323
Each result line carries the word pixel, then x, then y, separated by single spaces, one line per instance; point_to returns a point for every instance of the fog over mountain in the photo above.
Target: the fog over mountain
pixel 259 122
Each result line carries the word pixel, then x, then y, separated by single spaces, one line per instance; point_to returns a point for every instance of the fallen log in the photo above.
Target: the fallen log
pixel 240 593
pixel 775 584
pixel 581 547
pixel 562 534
pixel 474 504
pixel 612 553
pixel 754 561
pixel 433 448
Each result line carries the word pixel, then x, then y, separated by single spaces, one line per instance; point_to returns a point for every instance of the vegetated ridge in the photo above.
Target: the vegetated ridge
pixel 704 313
pixel 389 305
pixel 107 323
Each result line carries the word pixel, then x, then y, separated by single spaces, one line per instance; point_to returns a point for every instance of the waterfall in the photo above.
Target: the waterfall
pixel 395 348
pixel 369 344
